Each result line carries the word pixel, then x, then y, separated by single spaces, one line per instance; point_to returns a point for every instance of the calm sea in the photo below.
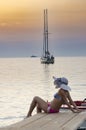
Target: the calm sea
pixel 23 78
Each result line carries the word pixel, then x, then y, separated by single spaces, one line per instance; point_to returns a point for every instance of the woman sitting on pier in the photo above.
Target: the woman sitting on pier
pixel 60 98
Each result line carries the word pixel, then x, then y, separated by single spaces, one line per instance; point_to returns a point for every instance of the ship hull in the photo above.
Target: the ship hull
pixel 46 60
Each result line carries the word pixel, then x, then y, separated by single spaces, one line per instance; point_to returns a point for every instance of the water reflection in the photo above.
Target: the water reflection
pixel 23 78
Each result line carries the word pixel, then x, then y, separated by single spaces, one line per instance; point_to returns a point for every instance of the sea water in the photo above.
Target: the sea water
pixel 23 78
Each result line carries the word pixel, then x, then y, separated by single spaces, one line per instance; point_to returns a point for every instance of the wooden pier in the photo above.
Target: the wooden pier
pixel 58 121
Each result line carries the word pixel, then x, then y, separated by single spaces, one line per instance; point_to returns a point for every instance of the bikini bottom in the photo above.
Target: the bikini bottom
pixel 50 110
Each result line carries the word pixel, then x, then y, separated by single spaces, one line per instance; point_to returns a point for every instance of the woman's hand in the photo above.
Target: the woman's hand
pixel 77 110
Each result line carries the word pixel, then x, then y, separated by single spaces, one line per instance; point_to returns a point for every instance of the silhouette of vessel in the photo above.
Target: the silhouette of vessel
pixel 46 58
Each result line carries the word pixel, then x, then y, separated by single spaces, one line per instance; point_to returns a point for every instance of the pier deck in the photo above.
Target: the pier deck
pixel 60 121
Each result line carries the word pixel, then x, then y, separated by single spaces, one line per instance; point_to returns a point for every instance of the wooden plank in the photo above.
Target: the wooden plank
pixel 76 122
pixel 24 122
pixel 37 125
pixel 57 124
pixel 59 121
pixel 50 122
pixel 29 120
pixel 33 122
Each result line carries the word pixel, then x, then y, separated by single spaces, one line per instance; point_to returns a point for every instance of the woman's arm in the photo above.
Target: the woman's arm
pixel 66 98
pixel 72 102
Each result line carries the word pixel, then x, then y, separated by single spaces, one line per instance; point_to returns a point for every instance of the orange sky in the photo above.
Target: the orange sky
pixel 22 20
pixel 28 13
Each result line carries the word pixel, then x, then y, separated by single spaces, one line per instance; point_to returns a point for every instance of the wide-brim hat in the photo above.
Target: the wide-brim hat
pixel 65 87
pixel 62 83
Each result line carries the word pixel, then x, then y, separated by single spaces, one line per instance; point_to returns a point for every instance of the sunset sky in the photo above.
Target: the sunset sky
pixel 21 27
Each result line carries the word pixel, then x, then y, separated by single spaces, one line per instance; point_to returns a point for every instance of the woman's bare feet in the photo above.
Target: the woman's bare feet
pixel 27 116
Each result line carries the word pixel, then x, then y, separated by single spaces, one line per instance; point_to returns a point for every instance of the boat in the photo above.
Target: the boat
pixel 81 104
pixel 46 58
pixel 33 56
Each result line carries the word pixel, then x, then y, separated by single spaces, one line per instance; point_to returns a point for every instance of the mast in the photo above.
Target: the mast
pixel 45 39
pixel 47 29
pixel 47 58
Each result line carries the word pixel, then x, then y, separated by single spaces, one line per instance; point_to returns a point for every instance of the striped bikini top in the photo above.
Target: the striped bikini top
pixel 57 96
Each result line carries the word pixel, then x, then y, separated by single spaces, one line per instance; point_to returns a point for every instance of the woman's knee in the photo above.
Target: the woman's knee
pixel 36 98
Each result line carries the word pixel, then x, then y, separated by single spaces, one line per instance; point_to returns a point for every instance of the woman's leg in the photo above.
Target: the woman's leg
pixel 40 103
pixel 39 110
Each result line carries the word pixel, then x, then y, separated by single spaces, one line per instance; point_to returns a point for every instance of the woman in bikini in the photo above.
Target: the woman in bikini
pixel 60 98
